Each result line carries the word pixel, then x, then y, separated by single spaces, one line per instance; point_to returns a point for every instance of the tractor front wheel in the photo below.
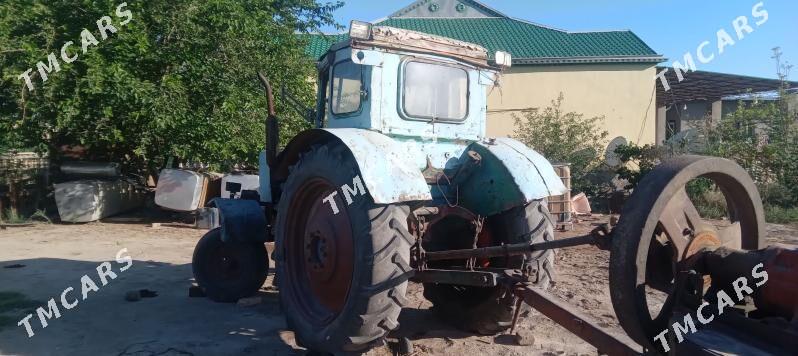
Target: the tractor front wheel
pixel 229 271
pixel 342 260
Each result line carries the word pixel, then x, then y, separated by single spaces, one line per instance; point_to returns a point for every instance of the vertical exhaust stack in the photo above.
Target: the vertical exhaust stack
pixel 272 129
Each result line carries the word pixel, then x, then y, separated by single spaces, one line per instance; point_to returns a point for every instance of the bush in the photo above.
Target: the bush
pixel 779 215
pixel 564 137
pixel 777 195
pixel 707 198
pixel 637 161
pixel 762 137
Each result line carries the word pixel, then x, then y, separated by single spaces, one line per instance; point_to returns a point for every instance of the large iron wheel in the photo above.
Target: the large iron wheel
pixel 660 227
pixel 342 276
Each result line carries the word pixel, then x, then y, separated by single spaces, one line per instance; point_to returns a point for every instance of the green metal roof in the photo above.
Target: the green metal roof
pixel 529 43
pixel 318 44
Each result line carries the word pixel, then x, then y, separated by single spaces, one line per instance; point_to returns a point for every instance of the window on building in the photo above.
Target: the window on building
pixel 346 87
pixel 435 91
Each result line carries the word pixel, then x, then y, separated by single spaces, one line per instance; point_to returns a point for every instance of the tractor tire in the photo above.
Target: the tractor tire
pixel 229 271
pixel 488 311
pixel 342 273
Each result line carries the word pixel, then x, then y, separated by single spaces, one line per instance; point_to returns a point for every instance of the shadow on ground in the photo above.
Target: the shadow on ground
pixel 106 324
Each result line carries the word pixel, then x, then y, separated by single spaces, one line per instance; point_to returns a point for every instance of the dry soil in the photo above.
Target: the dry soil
pixel 55 257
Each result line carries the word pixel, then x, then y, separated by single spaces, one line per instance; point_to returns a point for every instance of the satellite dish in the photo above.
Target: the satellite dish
pixel 610 157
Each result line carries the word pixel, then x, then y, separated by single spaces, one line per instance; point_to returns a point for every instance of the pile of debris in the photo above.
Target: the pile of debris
pixel 193 192
pixel 96 190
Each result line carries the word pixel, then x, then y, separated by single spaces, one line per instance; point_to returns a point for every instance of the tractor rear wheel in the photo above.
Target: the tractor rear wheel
pixel 489 311
pixel 343 271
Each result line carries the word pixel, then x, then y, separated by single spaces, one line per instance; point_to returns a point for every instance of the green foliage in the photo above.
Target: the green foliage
pixel 564 137
pixel 779 215
pixel 12 216
pixel 177 80
pixel 707 198
pixel 637 161
pixel 762 137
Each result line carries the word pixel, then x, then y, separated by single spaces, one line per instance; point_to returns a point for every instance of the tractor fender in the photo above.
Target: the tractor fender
pixel 388 174
pixel 510 174
pixel 240 220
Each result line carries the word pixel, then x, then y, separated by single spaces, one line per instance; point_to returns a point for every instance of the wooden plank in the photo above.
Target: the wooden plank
pixel 406 40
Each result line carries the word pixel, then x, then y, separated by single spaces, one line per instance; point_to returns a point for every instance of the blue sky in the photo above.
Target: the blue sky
pixel 670 27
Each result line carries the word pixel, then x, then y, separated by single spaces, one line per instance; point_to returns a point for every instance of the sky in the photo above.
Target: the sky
pixel 671 28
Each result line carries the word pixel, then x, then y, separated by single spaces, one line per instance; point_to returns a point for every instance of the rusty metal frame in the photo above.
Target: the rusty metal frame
pixel 464 277
pixel 576 322
pixel 597 237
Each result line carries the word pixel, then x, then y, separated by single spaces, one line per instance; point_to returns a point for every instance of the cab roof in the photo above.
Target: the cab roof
pixel 401 40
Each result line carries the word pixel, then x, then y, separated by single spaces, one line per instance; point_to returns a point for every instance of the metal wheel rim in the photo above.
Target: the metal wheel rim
pixel 225 265
pixel 663 191
pixel 319 252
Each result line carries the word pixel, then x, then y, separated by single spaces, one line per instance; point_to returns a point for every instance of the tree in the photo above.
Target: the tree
pixel 762 137
pixel 564 137
pixel 178 79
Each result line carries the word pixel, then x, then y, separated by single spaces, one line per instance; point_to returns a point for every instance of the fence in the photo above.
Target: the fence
pixel 24 178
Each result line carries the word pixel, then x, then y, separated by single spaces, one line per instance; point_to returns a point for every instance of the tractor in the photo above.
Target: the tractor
pixel 398 165
pixel 398 182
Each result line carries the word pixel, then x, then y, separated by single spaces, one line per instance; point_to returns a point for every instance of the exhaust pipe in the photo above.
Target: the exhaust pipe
pixel 272 129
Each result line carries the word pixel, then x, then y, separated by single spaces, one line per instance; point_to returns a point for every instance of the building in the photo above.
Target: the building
pixel 604 73
pixel 702 95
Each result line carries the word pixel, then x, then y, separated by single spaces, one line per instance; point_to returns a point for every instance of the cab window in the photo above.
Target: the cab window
pixel 435 91
pixel 345 88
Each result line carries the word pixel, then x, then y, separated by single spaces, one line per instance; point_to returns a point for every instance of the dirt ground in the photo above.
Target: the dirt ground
pixel 57 256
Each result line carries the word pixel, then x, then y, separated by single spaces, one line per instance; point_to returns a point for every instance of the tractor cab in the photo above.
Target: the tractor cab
pixel 406 84
pixel 411 108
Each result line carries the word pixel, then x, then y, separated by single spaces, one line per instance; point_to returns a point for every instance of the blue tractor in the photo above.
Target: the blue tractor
pixel 398 165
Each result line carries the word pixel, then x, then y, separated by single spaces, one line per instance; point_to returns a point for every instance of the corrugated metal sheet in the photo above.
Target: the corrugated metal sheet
pixel 524 40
